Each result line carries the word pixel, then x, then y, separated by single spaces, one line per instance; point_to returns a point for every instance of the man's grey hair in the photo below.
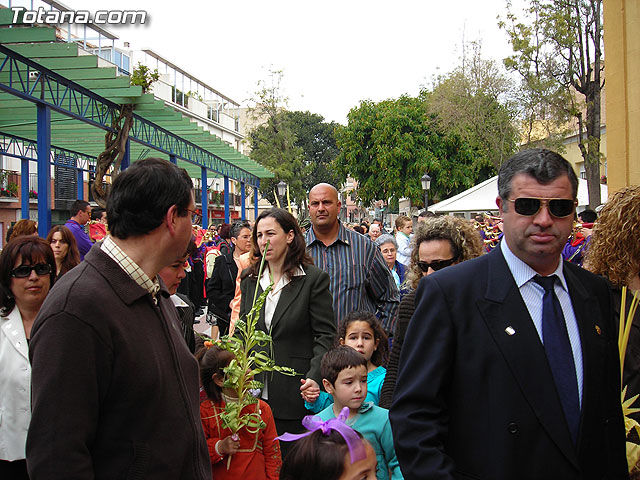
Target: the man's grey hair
pixel 543 165
pixel 386 238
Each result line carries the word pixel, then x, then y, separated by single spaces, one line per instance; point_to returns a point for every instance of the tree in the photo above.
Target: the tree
pixel 388 146
pixel 317 140
pixel 558 53
pixel 273 142
pixel 477 101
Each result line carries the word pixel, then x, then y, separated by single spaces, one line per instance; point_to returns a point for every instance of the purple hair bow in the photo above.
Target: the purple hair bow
pixel 312 423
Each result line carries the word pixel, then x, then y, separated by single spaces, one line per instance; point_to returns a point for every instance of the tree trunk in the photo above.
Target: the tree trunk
pixel 592 157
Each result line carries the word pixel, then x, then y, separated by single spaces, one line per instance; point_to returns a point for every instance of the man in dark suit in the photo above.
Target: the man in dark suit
pixel 506 374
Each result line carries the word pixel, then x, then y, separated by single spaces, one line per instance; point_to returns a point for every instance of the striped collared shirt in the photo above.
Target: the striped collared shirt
pixel 130 267
pixel 360 278
pixel 532 294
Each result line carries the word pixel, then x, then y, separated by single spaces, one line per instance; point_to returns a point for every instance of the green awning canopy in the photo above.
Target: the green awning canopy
pixel 18 116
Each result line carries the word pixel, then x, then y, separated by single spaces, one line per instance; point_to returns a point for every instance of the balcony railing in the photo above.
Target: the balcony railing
pixel 9 183
pixel 216 198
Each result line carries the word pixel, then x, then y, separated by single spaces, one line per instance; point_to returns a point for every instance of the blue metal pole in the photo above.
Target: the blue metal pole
pixel 173 159
pixel 80 184
pixel 44 170
pixel 243 197
pixel 204 197
pixel 256 191
pixel 126 160
pixel 226 199
pixel 24 188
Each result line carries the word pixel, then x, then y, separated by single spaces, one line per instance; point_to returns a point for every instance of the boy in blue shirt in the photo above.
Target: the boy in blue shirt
pixel 344 376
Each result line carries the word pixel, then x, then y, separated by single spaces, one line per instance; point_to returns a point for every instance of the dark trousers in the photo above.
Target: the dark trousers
pixel 16 470
pixel 288 426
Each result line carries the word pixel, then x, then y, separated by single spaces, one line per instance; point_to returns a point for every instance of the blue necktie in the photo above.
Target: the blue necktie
pixel 559 354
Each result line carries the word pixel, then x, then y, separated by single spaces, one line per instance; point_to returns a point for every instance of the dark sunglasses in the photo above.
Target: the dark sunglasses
pixel 437 265
pixel 24 271
pixel 558 207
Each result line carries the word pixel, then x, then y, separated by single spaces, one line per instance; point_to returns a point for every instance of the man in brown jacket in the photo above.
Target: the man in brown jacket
pixel 115 389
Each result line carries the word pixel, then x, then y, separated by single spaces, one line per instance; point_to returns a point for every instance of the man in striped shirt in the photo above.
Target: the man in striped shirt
pixel 360 279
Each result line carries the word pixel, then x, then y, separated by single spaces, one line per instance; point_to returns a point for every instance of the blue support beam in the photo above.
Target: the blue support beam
pixel 80 184
pixel 204 197
pixel 24 188
pixel 226 199
pixel 256 192
pixel 173 159
pixel 243 198
pixel 23 148
pixel 44 170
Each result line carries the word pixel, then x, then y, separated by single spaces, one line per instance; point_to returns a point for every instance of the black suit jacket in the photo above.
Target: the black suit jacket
pixel 303 329
pixel 472 401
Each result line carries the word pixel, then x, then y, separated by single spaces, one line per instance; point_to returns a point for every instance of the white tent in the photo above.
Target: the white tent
pixel 482 198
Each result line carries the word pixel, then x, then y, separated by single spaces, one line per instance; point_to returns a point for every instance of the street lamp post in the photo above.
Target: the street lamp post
pixel 426 185
pixel 282 190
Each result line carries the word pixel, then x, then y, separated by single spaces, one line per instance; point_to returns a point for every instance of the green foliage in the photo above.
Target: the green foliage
pixel 247 346
pixel 144 77
pixel 317 140
pixel 273 141
pixel 477 101
pixel 388 146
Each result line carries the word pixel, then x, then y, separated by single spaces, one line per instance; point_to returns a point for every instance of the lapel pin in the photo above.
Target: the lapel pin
pixel 510 331
pixel 598 330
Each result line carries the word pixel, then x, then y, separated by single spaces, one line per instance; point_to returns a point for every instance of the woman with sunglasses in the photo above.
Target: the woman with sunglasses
pixel 438 243
pixel 27 271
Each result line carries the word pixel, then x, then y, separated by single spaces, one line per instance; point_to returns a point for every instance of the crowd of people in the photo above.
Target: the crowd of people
pixel 447 348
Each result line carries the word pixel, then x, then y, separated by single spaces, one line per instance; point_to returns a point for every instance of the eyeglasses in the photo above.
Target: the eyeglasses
pixel 24 271
pixel 558 207
pixel 437 265
pixel 196 218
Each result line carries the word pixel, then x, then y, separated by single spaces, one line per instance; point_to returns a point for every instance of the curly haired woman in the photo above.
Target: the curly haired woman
pixel 437 243
pixel 614 252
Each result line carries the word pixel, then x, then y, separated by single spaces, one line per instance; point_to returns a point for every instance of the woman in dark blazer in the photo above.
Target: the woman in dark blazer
pixel 298 313
pixel 221 287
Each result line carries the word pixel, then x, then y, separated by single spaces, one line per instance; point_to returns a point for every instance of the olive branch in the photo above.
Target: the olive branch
pixel 247 345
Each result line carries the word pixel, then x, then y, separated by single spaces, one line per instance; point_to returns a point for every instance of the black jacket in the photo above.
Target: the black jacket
pixel 221 288
pixel 303 328
pixel 475 397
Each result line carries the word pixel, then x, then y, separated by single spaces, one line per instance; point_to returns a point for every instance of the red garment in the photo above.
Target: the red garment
pixel 97 231
pixel 259 455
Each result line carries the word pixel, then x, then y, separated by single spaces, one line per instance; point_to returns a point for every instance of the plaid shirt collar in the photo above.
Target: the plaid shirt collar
pixel 130 267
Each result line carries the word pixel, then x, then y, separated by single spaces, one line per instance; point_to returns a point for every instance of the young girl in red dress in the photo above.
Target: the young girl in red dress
pixel 255 454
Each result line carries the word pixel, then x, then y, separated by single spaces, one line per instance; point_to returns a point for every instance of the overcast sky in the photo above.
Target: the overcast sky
pixel 333 53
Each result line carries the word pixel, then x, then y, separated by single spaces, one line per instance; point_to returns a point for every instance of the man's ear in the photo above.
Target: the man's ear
pixel 171 218
pixel 327 386
pixel 500 205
